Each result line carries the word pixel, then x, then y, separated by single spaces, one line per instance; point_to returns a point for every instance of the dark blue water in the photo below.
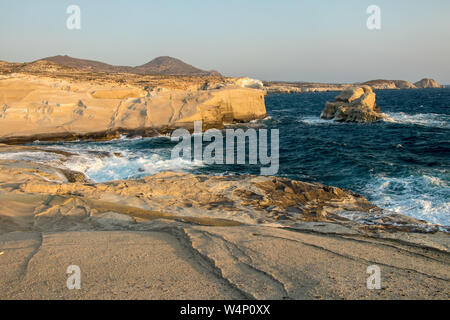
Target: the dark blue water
pixel 402 164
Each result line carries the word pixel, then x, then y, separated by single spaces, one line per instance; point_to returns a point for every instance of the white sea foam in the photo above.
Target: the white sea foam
pixel 315 120
pixel 256 123
pixel 102 169
pixel 261 120
pixel 423 197
pixel 421 119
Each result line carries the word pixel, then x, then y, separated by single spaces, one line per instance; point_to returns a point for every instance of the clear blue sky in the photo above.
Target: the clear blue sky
pixel 308 40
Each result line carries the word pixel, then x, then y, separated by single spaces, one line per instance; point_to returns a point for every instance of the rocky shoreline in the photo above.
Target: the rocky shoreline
pixel 39 107
pixel 178 235
pixel 247 237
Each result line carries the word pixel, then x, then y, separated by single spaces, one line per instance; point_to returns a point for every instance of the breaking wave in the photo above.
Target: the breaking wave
pixel 315 120
pixel 126 166
pixel 421 119
pixel 423 197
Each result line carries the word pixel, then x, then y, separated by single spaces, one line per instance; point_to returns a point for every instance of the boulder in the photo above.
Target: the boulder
pixel 353 105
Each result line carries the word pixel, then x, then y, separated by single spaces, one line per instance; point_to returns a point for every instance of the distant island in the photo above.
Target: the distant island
pixel 380 84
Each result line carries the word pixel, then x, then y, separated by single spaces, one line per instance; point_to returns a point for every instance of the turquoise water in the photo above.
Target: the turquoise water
pixel 401 164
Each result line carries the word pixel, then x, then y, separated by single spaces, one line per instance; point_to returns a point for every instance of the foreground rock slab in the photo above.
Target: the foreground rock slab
pixel 166 260
pixel 114 265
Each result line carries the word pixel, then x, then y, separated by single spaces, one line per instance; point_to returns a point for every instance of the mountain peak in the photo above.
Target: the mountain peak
pixel 171 66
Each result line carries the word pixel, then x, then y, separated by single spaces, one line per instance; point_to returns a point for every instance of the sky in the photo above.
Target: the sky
pixel 291 40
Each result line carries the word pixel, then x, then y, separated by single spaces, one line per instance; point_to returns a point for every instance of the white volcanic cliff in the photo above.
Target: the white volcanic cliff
pixel 32 107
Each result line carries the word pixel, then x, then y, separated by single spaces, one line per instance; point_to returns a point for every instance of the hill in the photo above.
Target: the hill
pixel 158 66
pixel 427 83
pixel 171 66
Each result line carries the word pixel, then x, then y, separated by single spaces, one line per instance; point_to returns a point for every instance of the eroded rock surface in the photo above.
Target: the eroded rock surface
pixel 183 236
pixel 174 195
pixel 353 105
pixel 46 101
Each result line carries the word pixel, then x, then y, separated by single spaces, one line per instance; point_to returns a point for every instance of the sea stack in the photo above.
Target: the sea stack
pixel 353 105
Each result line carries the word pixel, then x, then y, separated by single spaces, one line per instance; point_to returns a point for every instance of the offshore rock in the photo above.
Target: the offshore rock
pixel 353 105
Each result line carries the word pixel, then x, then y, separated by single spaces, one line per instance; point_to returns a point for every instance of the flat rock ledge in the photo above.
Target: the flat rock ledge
pixel 353 105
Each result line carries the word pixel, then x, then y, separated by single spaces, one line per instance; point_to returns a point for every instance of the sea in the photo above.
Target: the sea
pixel 401 164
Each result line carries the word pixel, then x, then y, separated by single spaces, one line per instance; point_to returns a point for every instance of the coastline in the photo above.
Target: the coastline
pixel 178 236
pixel 39 107
pixel 208 237
pixel 306 87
